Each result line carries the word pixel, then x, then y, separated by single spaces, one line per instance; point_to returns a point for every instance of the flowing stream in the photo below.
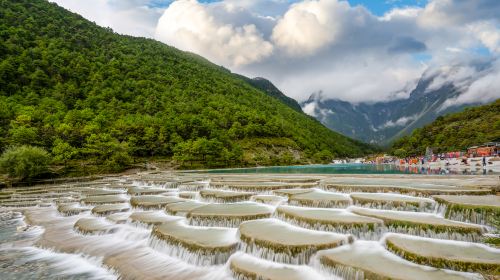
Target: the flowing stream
pixel 40 241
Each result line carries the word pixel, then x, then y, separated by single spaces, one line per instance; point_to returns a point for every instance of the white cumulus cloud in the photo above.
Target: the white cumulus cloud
pixel 483 88
pixel 332 46
pixel 131 17
pixel 191 26
pixel 310 25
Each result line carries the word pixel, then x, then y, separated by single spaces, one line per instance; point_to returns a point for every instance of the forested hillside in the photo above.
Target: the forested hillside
pixel 453 132
pixel 91 97
pixel 272 90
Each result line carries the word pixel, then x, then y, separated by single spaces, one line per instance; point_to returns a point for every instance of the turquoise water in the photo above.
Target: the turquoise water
pixel 350 168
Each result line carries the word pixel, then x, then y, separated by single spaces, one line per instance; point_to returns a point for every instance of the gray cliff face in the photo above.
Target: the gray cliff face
pixel 382 122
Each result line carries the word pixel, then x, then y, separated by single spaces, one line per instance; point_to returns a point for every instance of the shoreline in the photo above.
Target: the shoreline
pixel 370 170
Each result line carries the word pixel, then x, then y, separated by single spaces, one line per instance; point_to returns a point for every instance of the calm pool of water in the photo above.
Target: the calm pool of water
pixel 350 168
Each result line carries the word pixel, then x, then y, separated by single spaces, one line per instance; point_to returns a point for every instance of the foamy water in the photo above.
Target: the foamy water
pixel 42 243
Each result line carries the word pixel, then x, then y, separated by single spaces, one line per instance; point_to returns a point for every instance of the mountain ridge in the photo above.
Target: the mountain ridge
pixel 93 97
pixel 383 122
pixel 269 88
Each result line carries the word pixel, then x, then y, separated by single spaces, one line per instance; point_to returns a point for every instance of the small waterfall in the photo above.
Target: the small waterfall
pixel 466 215
pixel 337 270
pixel 376 189
pixel 448 234
pixel 475 216
pixel 132 233
pixel 131 250
pixel 95 232
pixel 365 232
pixel 382 205
pixel 287 256
pixel 140 225
pixel 196 257
pixel 171 185
pixel 211 199
pixel 36 263
pixel 221 221
pixel 483 217
pixel 319 204
pixel 190 188
pixel 440 209
pixel 73 212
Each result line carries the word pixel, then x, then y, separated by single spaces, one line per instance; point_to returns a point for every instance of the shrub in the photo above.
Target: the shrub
pixel 24 162
pixel 323 156
pixel 400 153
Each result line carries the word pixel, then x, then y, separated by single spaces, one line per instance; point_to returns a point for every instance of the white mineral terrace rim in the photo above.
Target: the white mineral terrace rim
pixel 200 237
pixel 98 192
pixel 118 218
pixel 492 201
pixel 154 200
pixel 295 178
pixel 30 203
pixel 244 265
pixel 224 194
pixel 389 216
pixel 188 194
pixel 289 192
pixel 415 181
pixel 66 200
pixel 104 199
pixel 73 208
pixel 152 217
pixel 260 185
pixel 318 196
pixel 191 187
pixel 188 243
pixel 268 199
pixel 184 206
pixel 389 197
pixel 372 257
pixel 458 251
pixel 237 210
pixel 274 231
pixel 411 190
pixel 107 209
pixel 326 216
pixel 92 225
pixel 146 190
pixel 249 183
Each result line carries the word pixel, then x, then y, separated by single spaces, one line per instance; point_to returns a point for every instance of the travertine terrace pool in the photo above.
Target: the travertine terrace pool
pixel 198 225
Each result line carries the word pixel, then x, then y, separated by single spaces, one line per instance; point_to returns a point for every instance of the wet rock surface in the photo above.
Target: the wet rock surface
pixel 164 225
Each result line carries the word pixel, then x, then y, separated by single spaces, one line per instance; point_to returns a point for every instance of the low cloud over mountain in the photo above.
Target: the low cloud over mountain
pixel 345 51
pixel 437 92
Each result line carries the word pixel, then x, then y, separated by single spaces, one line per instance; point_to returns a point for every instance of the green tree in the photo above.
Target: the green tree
pixel 24 135
pixel 458 131
pixel 108 151
pixel 63 151
pixel 323 156
pixel 106 99
pixel 400 153
pixel 25 162
pixel 287 157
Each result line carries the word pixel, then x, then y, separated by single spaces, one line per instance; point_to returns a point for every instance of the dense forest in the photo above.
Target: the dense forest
pixel 94 99
pixel 453 132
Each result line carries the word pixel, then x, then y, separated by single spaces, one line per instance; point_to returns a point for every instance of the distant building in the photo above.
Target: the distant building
pixel 485 150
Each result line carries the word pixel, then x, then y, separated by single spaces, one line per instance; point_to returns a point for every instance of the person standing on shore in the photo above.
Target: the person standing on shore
pixel 484 161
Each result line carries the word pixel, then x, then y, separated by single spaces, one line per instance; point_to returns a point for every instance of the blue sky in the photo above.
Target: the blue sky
pixel 377 7
pixel 325 45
